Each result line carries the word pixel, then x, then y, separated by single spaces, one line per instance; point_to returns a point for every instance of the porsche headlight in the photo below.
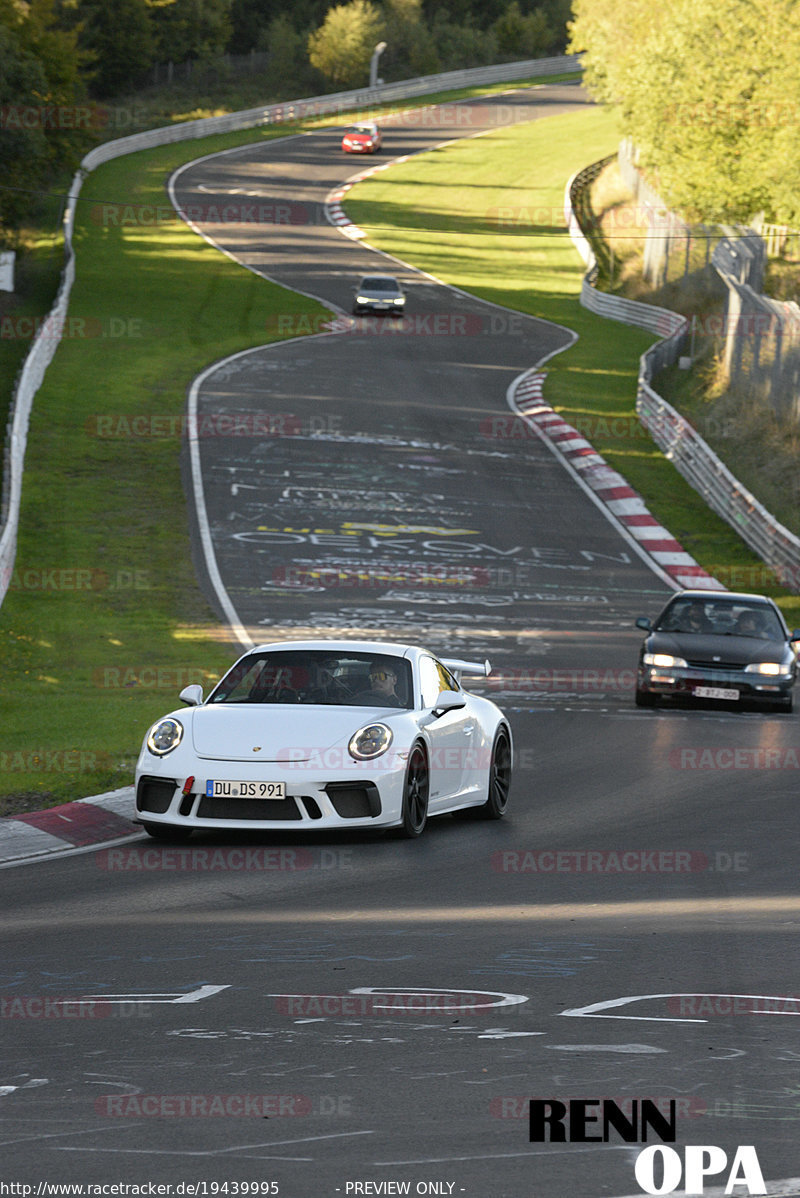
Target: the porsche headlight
pixel 663 660
pixel 770 668
pixel 400 299
pixel 370 741
pixel 165 736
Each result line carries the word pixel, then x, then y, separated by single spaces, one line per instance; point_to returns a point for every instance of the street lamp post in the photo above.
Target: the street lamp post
pixel 373 66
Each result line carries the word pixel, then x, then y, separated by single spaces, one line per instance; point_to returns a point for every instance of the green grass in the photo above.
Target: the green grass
pixel 104 587
pixel 440 212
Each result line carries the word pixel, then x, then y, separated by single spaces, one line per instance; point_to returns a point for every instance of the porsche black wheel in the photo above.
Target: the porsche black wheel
pixel 496 803
pixel 645 699
pixel 415 793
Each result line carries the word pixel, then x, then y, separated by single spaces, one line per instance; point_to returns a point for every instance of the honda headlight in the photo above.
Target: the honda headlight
pixel 370 742
pixel 165 736
pixel 771 668
pixel 664 661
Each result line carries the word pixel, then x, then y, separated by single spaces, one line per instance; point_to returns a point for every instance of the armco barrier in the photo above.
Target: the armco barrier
pixel 45 344
pixel 679 441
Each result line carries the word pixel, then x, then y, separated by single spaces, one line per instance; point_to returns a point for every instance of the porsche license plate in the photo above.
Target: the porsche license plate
pixel 714 692
pixel 219 789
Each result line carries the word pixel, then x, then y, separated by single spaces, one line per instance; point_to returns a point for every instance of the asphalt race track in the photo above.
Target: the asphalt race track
pixel 363 1015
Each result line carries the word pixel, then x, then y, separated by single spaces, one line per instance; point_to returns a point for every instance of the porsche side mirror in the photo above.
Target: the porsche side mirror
pixel 795 635
pixel 644 624
pixel 192 695
pixel 449 701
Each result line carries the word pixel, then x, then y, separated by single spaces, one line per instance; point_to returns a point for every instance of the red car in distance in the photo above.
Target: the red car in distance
pixel 362 139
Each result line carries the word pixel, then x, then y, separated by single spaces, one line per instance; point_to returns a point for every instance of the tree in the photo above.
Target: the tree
pixel 410 50
pixel 285 46
pixel 40 93
pixel 118 37
pixel 342 47
pixel 462 44
pixel 710 92
pixel 190 28
pixel 522 36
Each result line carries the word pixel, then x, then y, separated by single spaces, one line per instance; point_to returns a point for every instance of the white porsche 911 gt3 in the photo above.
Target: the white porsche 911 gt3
pixel 326 734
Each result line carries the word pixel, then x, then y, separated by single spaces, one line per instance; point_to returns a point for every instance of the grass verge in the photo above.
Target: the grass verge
pixel 506 242
pixel 104 621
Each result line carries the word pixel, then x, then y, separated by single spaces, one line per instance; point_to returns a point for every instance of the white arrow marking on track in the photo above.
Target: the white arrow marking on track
pixel 596 1010
pixel 168 996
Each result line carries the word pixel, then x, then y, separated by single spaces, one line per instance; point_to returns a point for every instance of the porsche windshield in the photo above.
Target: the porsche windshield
pixel 316 677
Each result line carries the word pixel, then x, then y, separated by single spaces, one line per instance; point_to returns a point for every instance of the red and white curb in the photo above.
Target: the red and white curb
pixel 87 822
pixel 609 489
pixel 336 215
pixel 332 207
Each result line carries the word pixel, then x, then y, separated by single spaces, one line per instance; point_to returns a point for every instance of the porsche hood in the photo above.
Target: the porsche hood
pixel 276 732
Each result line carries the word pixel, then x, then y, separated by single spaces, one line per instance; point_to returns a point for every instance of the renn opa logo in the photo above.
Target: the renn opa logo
pixel 578 1121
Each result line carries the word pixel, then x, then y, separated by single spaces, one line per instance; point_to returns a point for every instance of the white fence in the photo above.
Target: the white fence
pixel 677 439
pixel 46 342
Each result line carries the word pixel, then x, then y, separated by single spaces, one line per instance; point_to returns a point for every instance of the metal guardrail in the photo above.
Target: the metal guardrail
pixel 46 342
pixel 673 434
pixel 644 316
pixel 690 454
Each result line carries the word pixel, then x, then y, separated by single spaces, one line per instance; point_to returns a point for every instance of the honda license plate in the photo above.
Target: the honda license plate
pixel 714 692
pixel 220 789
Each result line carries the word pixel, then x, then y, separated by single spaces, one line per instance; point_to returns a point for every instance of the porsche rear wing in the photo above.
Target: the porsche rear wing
pixel 466 667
